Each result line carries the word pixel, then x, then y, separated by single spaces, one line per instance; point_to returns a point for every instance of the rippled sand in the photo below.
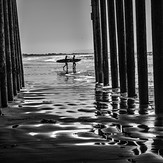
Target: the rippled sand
pixel 61 118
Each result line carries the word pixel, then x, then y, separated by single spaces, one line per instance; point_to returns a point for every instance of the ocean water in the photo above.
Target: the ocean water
pixel 85 116
pixel 47 66
pixel 39 67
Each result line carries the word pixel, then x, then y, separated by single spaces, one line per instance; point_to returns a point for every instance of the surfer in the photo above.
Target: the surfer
pixel 74 64
pixel 66 65
pixel 73 60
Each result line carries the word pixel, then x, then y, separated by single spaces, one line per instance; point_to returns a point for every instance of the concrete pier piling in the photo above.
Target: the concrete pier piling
pixel 113 43
pixel 3 72
pixel 97 41
pixel 104 42
pixel 10 58
pixel 8 52
pixel 18 44
pixel 157 38
pixel 12 44
pixel 93 16
pixel 130 55
pixel 142 55
pixel 17 59
pixel 121 45
pixel 20 74
pixel 122 49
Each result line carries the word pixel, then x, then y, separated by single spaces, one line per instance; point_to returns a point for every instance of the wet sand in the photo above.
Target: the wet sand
pixel 61 118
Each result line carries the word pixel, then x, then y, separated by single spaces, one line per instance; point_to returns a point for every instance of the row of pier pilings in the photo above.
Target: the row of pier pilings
pixel 113 19
pixel 11 66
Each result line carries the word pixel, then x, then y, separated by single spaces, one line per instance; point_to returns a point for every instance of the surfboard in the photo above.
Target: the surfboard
pixel 67 60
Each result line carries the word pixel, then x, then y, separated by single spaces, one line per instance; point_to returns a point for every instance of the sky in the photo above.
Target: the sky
pixel 60 26
pixel 55 26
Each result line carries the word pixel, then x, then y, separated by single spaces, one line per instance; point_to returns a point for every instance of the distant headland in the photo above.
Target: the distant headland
pixel 53 54
pixel 58 54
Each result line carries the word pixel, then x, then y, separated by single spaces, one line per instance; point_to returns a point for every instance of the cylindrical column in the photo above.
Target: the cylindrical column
pixel 19 54
pixel 3 72
pixel 157 36
pixel 142 55
pixel 16 48
pixel 113 45
pixel 12 44
pixel 0 97
pixel 130 51
pixel 99 41
pixel 19 46
pixel 121 52
pixel 121 45
pixel 8 52
pixel 93 17
pixel 104 42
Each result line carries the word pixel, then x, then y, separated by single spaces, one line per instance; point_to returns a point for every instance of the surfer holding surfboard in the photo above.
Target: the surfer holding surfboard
pixel 66 65
pixel 74 65
pixel 66 60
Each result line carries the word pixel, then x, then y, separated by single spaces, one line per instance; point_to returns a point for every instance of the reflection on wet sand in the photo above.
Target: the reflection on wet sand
pixel 143 132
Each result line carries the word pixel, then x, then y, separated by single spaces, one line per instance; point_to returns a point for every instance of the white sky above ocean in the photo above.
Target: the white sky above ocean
pixel 55 25
pixel 58 26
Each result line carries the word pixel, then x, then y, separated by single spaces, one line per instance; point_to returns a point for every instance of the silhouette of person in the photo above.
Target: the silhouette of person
pixel 74 64
pixel 66 65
